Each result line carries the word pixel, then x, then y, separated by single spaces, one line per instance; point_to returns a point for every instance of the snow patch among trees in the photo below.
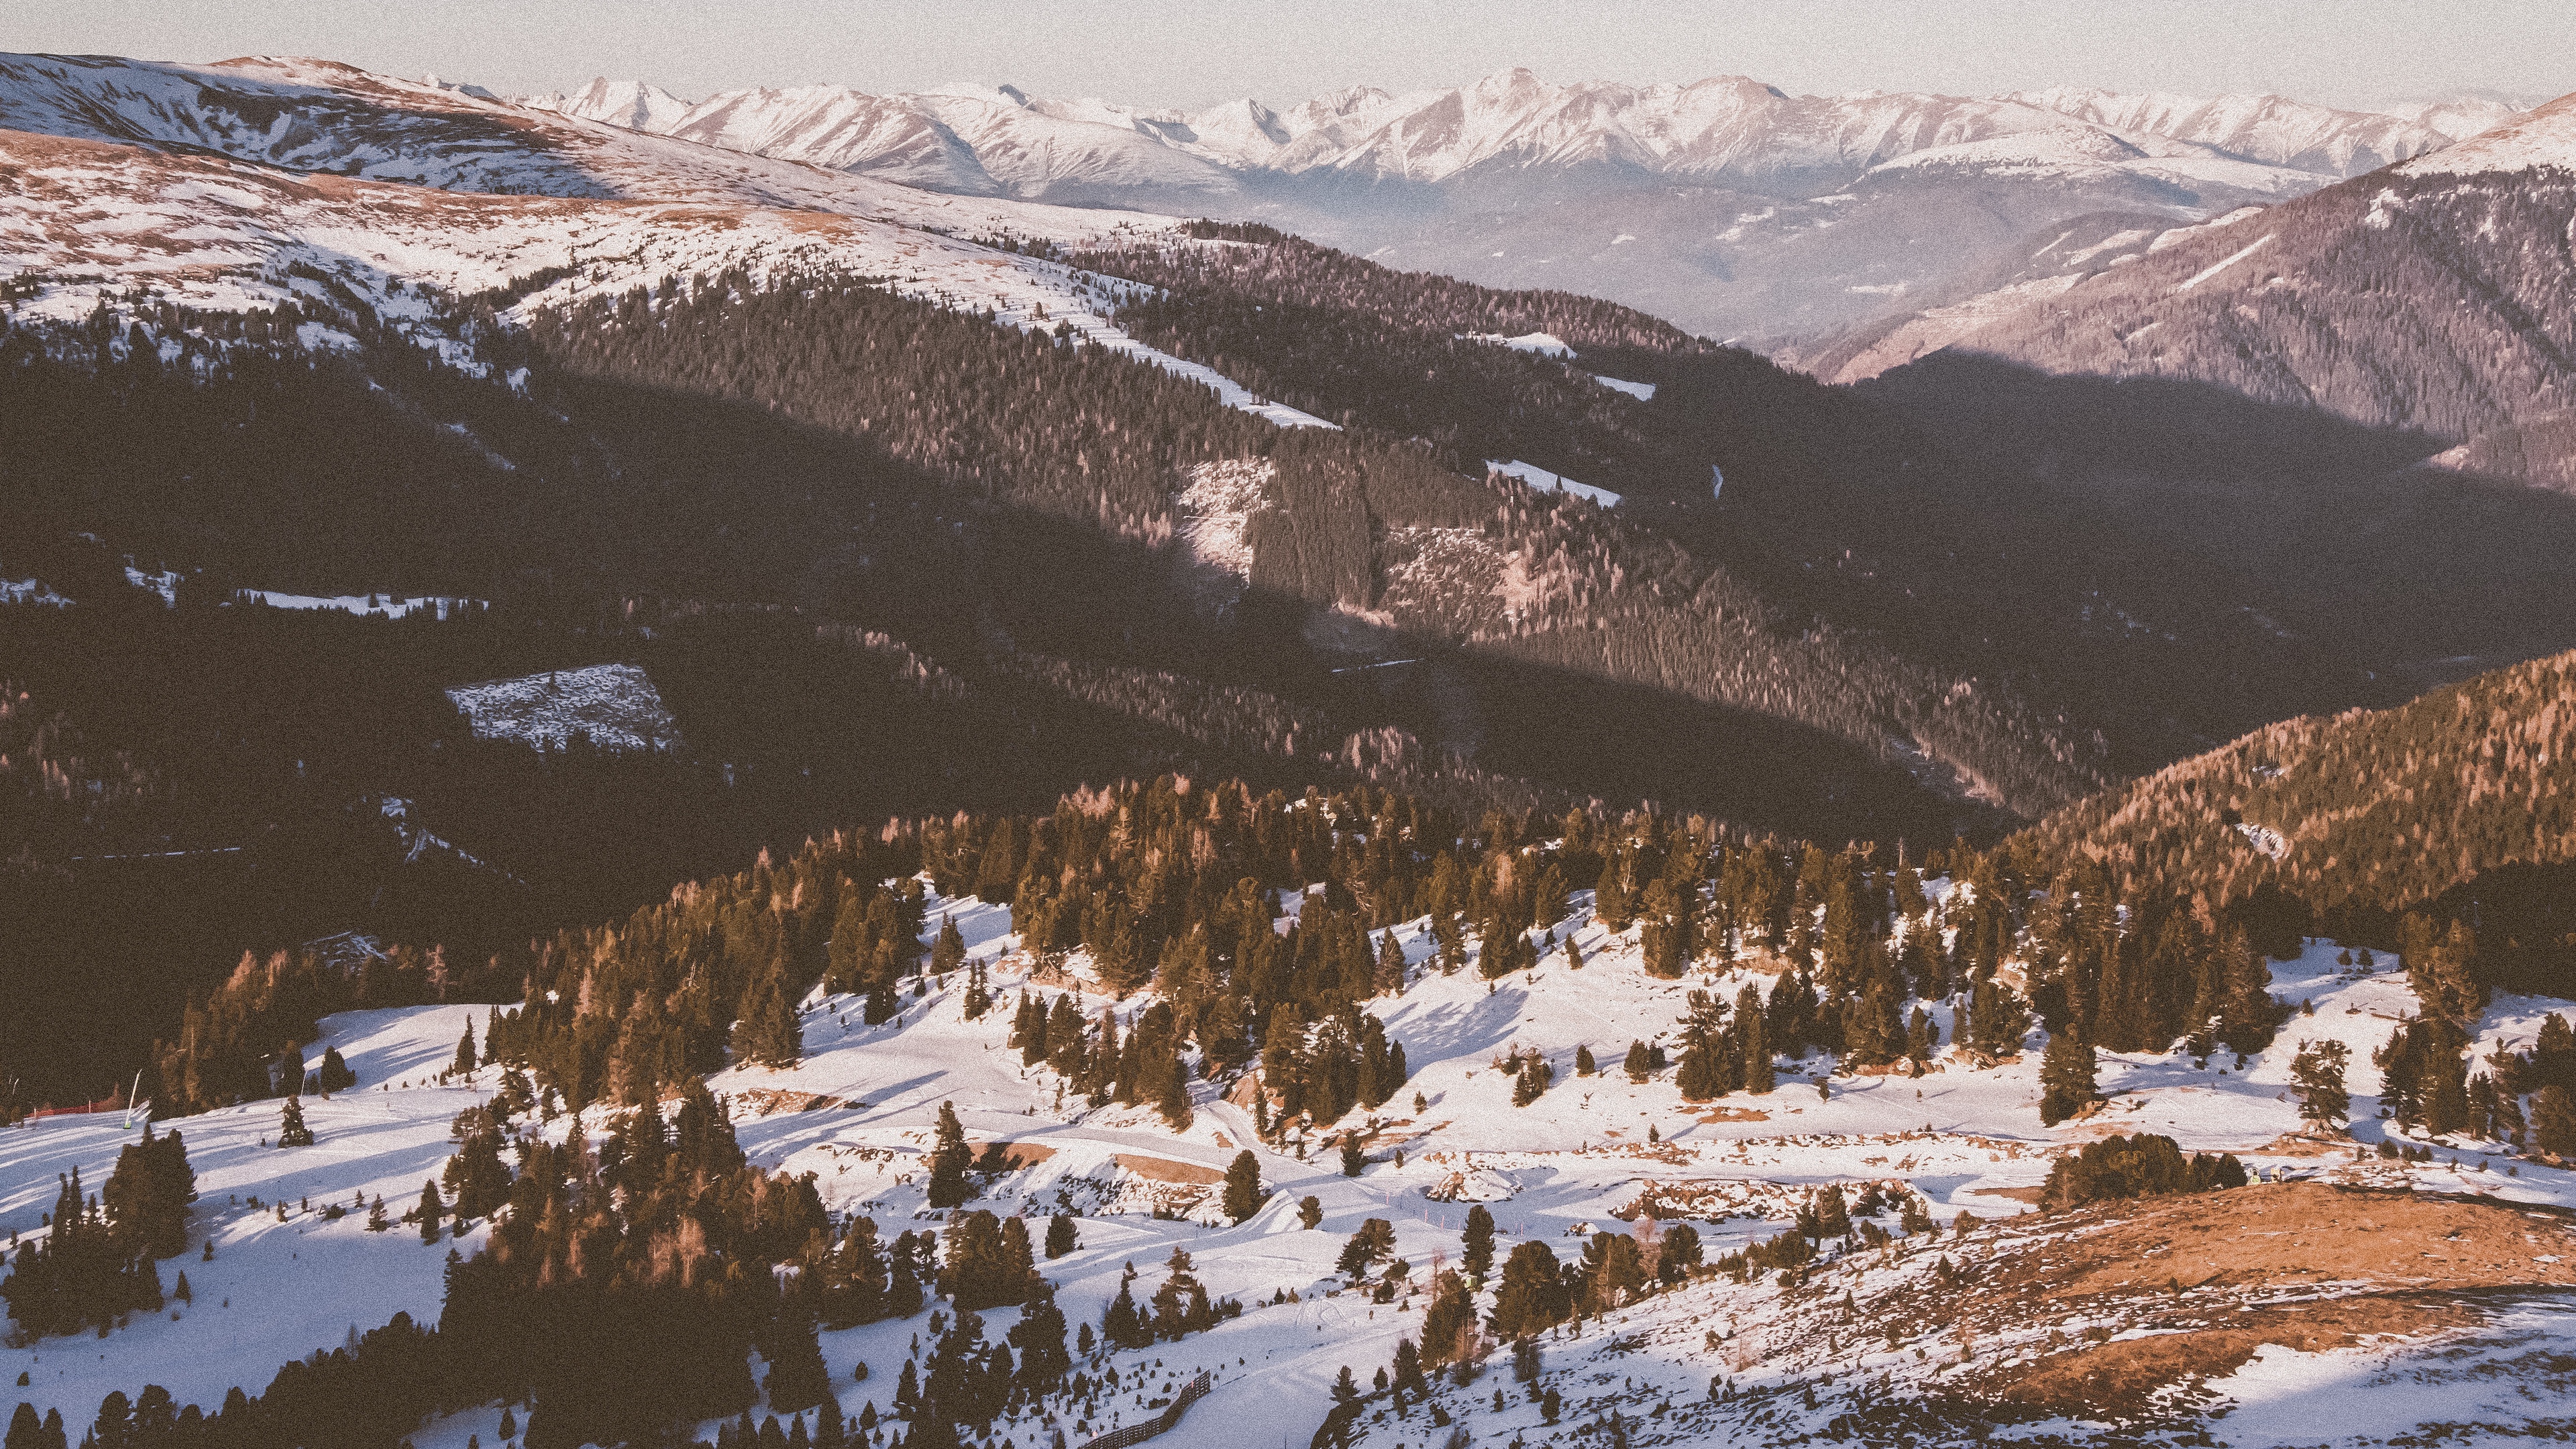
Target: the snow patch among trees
pixel 614 705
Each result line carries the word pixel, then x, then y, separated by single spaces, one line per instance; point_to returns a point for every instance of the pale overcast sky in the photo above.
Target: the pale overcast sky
pixel 1172 53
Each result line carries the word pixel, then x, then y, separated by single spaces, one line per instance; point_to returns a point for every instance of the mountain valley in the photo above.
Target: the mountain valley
pixel 963 769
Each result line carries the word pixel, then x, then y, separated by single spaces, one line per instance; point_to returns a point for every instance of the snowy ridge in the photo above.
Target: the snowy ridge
pixel 2279 131
pixel 95 214
pixel 986 140
pixel 2542 137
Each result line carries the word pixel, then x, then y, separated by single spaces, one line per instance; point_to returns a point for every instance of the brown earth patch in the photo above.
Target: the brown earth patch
pixel 2301 1145
pixel 768 1102
pixel 1020 1154
pixel 1735 1114
pixel 2125 1376
pixel 2017 1194
pixel 2205 1279
pixel 2300 1234
pixel 1164 1169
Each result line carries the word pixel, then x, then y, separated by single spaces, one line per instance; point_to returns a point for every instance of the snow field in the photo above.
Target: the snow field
pixel 858 1113
pixel 615 703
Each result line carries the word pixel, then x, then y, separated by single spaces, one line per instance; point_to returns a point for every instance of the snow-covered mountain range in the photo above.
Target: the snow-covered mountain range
pixel 1727 204
pixel 1729 129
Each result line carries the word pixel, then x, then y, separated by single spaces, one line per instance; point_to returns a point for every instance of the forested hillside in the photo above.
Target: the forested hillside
pixel 1952 516
pixel 2428 303
pixel 2463 802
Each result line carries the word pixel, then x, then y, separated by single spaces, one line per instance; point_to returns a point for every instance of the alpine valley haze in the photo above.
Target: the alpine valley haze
pixel 1539 764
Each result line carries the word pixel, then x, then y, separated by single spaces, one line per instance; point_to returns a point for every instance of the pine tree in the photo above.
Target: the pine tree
pixel 2553 1121
pixel 1476 1244
pixel 949 1160
pixel 377 1222
pixel 432 1211
pixel 1449 1323
pixel 2317 1075
pixel 1532 1296
pixel 1409 1378
pixel 1120 1324
pixel 2066 1080
pixel 948 952
pixel 1060 1238
pixel 1243 1195
pixel 465 1059
pixel 1754 1046
pixel 767 1032
pixel 1310 1212
pixel 1039 1337
pixel 797 1378
pixel 1584 1066
pixel 291 1131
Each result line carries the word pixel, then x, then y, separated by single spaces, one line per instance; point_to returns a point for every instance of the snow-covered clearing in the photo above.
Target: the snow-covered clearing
pixel 390 607
pixel 1547 482
pixel 2214 268
pixel 615 704
pixel 1541 344
pixel 858 1113
pixel 30 591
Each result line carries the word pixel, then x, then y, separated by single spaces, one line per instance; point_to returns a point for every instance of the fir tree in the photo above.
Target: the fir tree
pixel 291 1131
pixel 432 1212
pixel 797 1378
pixel 1532 1295
pixel 1060 1238
pixel 2553 1121
pixel 1476 1244
pixel 1310 1212
pixel 1449 1323
pixel 767 1032
pixel 1243 1195
pixel 1120 1325
pixel 1039 1337
pixel 2317 1076
pixel 949 1160
pixel 465 1058
pixel 2066 1080
pixel 1354 1157
pixel 948 952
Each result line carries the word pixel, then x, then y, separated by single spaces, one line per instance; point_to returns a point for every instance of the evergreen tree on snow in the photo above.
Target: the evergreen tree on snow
pixel 949 1160
pixel 291 1131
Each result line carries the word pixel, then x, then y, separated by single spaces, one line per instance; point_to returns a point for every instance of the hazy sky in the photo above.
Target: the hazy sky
pixel 1165 52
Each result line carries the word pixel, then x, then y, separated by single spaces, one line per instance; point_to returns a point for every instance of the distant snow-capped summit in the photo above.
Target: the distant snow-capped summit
pixel 2278 131
pixel 2544 136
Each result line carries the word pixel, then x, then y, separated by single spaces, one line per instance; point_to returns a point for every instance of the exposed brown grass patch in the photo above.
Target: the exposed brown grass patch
pixel 2206 1279
pixel 1164 1169
pixel 2299 1234
pixel 2124 1376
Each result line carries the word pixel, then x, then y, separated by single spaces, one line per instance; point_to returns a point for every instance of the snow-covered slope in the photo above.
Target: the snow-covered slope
pixel 2544 137
pixel 1714 1361
pixel 2447 272
pixel 400 198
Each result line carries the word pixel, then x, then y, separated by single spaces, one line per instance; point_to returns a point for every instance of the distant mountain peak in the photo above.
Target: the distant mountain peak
pixel 2542 136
